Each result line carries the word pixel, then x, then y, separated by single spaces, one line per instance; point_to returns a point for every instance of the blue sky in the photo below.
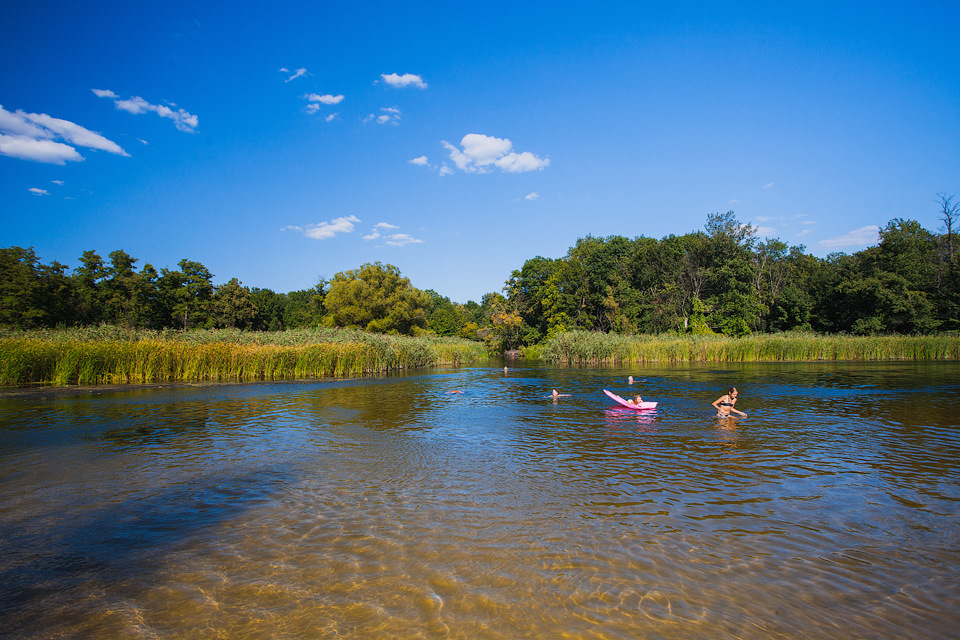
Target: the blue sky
pixel 283 144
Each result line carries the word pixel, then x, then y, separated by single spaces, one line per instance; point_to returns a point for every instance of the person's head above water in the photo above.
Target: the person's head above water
pixel 555 392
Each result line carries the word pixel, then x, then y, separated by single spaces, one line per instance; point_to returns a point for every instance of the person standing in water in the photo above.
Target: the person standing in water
pixel 724 404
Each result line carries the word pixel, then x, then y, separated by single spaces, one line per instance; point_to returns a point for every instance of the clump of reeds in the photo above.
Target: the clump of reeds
pixel 87 357
pixel 587 347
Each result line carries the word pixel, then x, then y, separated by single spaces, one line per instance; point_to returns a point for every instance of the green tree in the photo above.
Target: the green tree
pixel 304 308
pixel 269 307
pixel 378 299
pixel 233 306
pixel 126 294
pixel 87 278
pixel 733 276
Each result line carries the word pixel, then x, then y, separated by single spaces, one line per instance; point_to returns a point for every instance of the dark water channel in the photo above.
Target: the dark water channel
pixel 392 508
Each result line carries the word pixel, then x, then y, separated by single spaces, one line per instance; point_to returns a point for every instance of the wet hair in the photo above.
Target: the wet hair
pixel 731 390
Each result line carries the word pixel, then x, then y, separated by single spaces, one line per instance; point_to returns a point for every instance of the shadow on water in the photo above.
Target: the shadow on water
pixel 50 571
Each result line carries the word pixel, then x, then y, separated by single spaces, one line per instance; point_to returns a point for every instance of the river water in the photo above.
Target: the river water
pixel 392 508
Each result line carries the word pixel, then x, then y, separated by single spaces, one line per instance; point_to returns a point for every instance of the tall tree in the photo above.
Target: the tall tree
pixel 949 212
pixel 88 276
pixel 232 306
pixel 376 298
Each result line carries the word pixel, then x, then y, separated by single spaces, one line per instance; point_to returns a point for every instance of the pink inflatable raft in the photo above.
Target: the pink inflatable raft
pixel 640 407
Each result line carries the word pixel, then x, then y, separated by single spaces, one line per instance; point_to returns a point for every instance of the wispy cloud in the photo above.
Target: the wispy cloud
pixel 327 98
pixel 402 240
pixel 482 154
pixel 299 73
pixel 387 115
pixel 765 231
pixel 326 230
pixel 33 136
pixel 59 182
pixel 531 196
pixel 402 81
pixel 856 239
pixel 423 161
pixel 375 233
pixel 38 192
pixel 768 185
pixel 391 239
pixel 183 120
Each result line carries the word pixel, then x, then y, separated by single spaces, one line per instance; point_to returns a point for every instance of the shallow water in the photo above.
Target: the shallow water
pixel 392 508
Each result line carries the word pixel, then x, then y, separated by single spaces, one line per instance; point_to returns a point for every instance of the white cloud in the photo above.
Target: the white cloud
pixel 481 154
pixel 296 74
pixel 27 148
pixel 422 161
pixel 402 239
pixel 768 185
pixel 331 117
pixel 531 196
pixel 38 192
pixel 59 182
pixel 312 108
pixel 405 80
pixel 33 136
pixel 802 233
pixel 764 231
pixel 392 239
pixel 857 239
pixel 325 99
pixel 183 120
pixel 326 230
pixel 389 115
pixel 74 133
pixel 764 218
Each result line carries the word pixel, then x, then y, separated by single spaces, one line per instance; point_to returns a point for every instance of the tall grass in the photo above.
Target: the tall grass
pixel 111 355
pixel 585 347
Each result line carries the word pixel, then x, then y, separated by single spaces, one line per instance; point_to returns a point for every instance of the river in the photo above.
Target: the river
pixel 465 503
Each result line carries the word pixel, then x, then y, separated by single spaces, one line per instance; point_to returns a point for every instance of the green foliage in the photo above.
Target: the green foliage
pixel 585 347
pixel 110 354
pixel 719 280
pixel 378 299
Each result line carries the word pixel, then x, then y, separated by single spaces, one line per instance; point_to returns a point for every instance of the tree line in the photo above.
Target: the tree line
pixel 374 298
pixel 725 280
pixel 719 280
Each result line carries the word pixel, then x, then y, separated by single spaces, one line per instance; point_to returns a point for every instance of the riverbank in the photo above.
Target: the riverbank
pixel 109 355
pixel 587 347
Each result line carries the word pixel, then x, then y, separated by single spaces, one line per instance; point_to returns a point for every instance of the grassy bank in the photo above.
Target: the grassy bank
pixel 585 347
pixel 110 355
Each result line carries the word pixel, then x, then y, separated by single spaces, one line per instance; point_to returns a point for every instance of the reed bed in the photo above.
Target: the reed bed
pixel 117 356
pixel 585 347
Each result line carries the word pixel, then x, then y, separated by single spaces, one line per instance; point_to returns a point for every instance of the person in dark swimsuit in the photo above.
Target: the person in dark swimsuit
pixel 724 404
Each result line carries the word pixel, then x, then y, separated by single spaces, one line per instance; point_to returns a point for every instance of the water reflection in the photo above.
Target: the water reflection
pixel 467 503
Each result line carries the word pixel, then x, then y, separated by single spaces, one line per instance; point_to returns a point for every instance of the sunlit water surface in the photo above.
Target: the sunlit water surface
pixel 393 508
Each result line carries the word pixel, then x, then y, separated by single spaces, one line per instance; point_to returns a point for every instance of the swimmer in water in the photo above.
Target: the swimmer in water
pixel 637 401
pixel 724 404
